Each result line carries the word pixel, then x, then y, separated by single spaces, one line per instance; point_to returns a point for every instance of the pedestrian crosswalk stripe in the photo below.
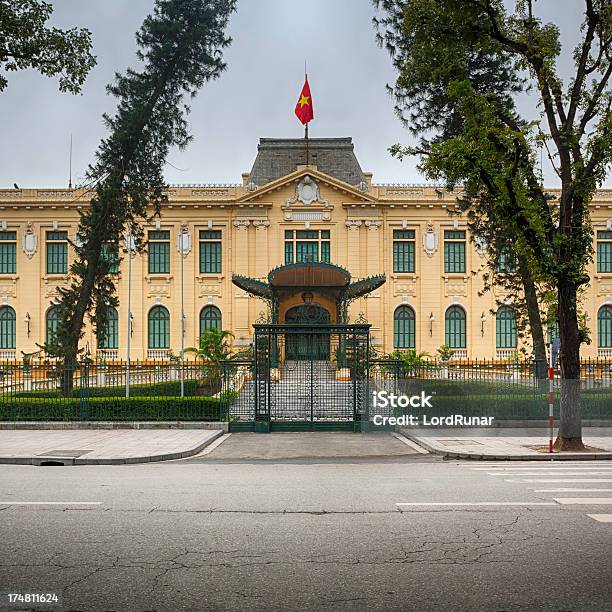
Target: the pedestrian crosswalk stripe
pixel 587 501
pixel 601 518
pixel 568 490
pixel 561 480
pixel 555 473
pixel 521 503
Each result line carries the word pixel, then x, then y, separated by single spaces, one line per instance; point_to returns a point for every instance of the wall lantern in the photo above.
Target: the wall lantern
pixel 431 322
pixel 307 297
pixel 27 320
pixel 483 318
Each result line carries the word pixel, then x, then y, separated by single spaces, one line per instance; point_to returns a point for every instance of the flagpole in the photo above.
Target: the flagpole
pixel 306 126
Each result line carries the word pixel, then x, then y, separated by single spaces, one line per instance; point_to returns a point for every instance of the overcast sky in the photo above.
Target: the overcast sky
pixel 254 98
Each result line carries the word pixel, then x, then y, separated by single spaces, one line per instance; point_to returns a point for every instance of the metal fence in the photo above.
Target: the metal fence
pixel 505 390
pixel 156 391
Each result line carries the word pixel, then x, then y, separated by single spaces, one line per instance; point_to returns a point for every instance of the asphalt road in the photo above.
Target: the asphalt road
pixel 240 530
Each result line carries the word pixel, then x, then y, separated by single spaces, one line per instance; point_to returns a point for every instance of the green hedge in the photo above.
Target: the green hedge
pixel 171 388
pixel 114 409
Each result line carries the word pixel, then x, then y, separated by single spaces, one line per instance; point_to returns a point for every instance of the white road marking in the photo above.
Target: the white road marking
pixel 601 518
pixel 561 480
pixel 572 490
pixel 559 466
pixel 522 503
pixel 411 444
pixel 548 474
pixel 49 503
pixel 587 501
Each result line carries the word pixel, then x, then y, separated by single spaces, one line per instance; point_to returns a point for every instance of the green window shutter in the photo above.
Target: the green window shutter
pixel 604 327
pixel 325 255
pixel 52 323
pixel 454 323
pixel 454 257
pixel 288 252
pixel 57 252
pixel 159 258
pixel 404 328
pixel 8 258
pixel 108 338
pixel 604 256
pixel 7 328
pixel 553 331
pixel 403 256
pixel 210 257
pixel 113 258
pixel 505 328
pixel 159 328
pixel 307 251
pixel 210 318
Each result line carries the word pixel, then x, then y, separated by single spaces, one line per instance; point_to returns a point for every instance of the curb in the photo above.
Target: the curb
pixel 446 454
pixel 65 461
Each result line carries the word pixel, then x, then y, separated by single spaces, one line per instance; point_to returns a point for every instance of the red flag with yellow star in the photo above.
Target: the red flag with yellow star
pixel 303 108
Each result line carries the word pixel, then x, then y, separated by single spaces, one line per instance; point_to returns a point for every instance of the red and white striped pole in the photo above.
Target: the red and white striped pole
pixel 551 401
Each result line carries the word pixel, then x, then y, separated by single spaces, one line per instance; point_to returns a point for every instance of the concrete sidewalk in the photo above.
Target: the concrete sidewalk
pixel 508 443
pixel 101 447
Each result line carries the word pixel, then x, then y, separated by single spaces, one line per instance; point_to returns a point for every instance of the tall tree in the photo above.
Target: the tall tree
pixel 493 148
pixel 426 109
pixel 27 42
pixel 180 46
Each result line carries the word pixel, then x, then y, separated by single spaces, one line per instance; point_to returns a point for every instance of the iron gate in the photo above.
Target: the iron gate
pixel 302 377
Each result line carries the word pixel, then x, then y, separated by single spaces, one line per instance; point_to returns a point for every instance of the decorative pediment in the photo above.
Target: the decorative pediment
pixel 308 182
pixel 307 191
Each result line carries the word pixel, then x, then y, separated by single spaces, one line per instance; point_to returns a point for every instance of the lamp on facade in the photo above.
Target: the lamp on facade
pixel 483 318
pixel 431 322
pixel 131 324
pixel 27 320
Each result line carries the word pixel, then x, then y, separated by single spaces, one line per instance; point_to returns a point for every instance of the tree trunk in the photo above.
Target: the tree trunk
pixel 535 319
pixel 570 427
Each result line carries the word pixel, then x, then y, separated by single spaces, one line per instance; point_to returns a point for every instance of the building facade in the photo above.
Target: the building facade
pixel 284 212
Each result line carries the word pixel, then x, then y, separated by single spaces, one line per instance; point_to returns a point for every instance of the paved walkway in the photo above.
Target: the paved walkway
pixel 502 443
pixel 311 445
pixel 98 447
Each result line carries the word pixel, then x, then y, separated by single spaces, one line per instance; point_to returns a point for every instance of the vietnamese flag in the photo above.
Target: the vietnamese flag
pixel 303 108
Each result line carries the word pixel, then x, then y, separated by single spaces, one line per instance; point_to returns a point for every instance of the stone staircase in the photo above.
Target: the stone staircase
pixel 306 384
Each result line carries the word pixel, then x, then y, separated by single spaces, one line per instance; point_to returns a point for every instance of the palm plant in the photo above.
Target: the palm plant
pixel 213 349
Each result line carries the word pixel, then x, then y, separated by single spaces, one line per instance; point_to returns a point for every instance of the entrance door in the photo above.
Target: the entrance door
pixel 307 346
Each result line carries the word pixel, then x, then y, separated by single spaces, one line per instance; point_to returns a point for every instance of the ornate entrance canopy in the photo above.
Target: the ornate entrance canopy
pixel 309 280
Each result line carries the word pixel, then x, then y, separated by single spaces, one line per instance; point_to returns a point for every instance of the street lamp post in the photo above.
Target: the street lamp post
pixel 184 248
pixel 130 244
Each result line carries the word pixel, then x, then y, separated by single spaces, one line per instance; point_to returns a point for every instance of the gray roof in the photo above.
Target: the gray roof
pixel 277 157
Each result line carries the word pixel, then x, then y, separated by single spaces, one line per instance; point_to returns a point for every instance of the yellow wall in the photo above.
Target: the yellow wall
pixel 252 226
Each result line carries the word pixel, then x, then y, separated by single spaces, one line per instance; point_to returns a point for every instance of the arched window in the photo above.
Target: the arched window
pixel 403 327
pixel 108 338
pixel 7 328
pixel 505 328
pixel 210 318
pixel 454 320
pixel 53 321
pixel 604 327
pixel 159 328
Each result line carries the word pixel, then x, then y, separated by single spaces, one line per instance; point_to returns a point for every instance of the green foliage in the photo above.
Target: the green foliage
pixel 410 359
pixel 27 42
pixel 113 409
pixel 461 64
pixel 180 47
pixel 214 348
pixel 445 352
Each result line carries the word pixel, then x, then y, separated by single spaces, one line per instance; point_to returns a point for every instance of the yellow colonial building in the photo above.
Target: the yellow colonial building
pixel 311 229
